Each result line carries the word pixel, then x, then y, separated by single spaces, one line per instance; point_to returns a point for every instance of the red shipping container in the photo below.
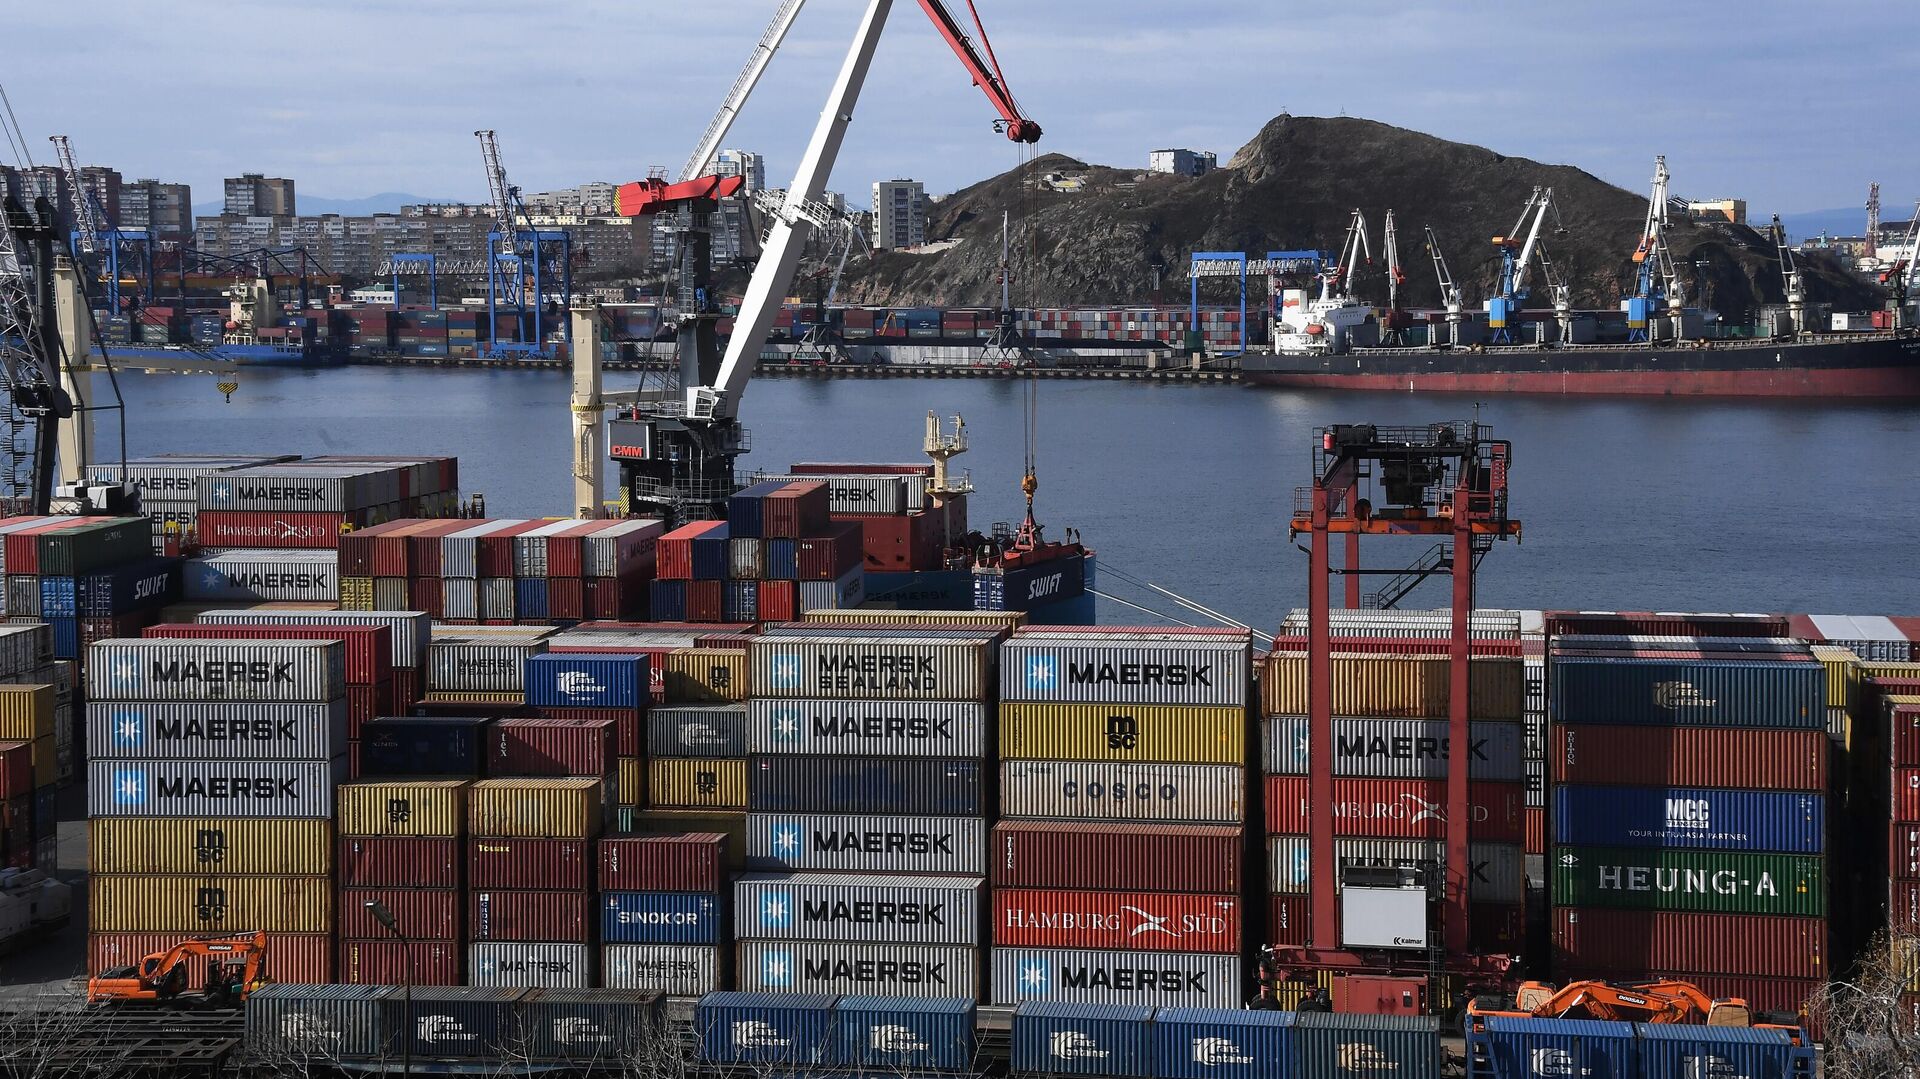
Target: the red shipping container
pixel 397 862
pixel 1398 808
pixel 495 549
pixel 827 557
pixel 565 549
pixel 1536 830
pixel 1778 996
pixel 365 703
pixel 779 600
pixel 423 594
pixel 629 724
pixel 354 771
pixel 1903 853
pixel 680 862
pixel 1903 905
pixel 529 863
pixel 1287 920
pixel 1137 857
pixel 23 547
pixel 1399 646
pixel 408 687
pixel 423 545
pixel 706 601
pixel 1633 756
pixel 1903 721
pixel 1627 941
pixel 551 747
pixel 422 913
pixel 842 468
pixel 563 917
pixel 798 510
pixel 673 552
pixel 303 958
pixel 272 528
pixel 1906 794
pixel 369 649
pixel 615 599
pixel 16 770
pixel 886 543
pixel 120 625
pixel 1137 921
pixel 356 550
pixel 382 962
pixel 566 599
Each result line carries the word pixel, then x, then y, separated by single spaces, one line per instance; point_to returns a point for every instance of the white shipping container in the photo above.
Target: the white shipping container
pixel 530 548
pixel 858 908
pixel 1176 979
pixel 1482 625
pixel 216 730
pixel 680 970
pixel 870 494
pixel 1122 670
pixel 497 598
pixel 460 552
pixel 459 598
pixel 867 728
pixel 871 668
pixel 478 664
pixel 308 489
pixel 130 669
pixel 848 592
pixel 865 844
pixel 601 551
pixel 296 575
pixel 391 594
pixel 301 789
pixel 1123 791
pixel 534 966
pixel 1496 873
pixel 1395 748
pixel 901 970
pixel 746 559
pixel 411 630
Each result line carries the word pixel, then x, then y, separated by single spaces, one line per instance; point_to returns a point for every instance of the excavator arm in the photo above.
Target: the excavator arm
pixel 233 967
pixel 1668 1001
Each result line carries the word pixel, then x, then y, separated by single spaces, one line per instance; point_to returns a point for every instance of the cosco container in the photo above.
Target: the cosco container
pixel 590 1027
pixel 867 728
pixel 1395 748
pixel 1357 1046
pixel 1194 671
pixel 534 965
pixel 697 783
pixel 1117 857
pixel 1495 872
pixel 1786 760
pixel 1143 921
pixel 216 730
pixel 685 862
pixel 1689 693
pixel 209 903
pixel 766 1028
pixel 1052 1038
pixel 862 668
pixel 453 1022
pixel 1113 977
pixel 1683 1052
pixel 868 844
pixel 681 970
pixel 184 845
pixel 300 576
pixel 1689 818
pixel 316 1022
pixel 213 788
pixel 904 786
pixel 580 680
pixel 127 669
pixel 425 808
pixel 1222 1043
pixel 1398 808
pixel 1512 1048
pixel 805 966
pixel 660 918
pixel 857 908
pixel 1197 793
pixel 899 1035
pixel 411 630
pixel 1597 939
pixel 699 731
pixel 1107 732
pixel 1708 881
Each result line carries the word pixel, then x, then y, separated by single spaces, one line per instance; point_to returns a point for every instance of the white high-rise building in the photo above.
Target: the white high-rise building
pixel 742 163
pixel 899 214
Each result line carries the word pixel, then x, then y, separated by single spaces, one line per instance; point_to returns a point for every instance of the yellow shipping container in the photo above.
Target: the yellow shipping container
pixel 537 808
pixel 156 903
pixel 706 783
pixel 475 696
pixel 678 821
pixel 1890 669
pixel 46 762
pixel 425 807
pixel 356 593
pixel 633 781
pixel 706 675
pixel 238 845
pixel 1843 674
pixel 26 713
pixel 1410 686
pixel 858 615
pixel 1175 734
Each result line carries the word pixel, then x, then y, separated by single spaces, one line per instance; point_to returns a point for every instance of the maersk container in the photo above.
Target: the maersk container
pixel 896 1035
pixel 1113 977
pixel 868 844
pixel 1357 1046
pixel 299 576
pixel 1079 790
pixel 1117 857
pixel 411 630
pixel 703 731
pixel 1141 921
pixel 866 495
pixel 216 730
pixel 1510 1048
pixel 1686 1052
pixel 423 746
pixel 453 1022
pixel 320 1023
pixel 866 728
pixel 1222 1043
pixel 1794 760
pixel 858 908
pixel 942 786
pixel 1683 818
pixel 1496 872
pixel 660 918
pixel 807 966
pixel 590 1027
pixel 680 970
pixel 1060 1038
pixel 127 669
pixel 213 788
pixel 366 647
pixel 1396 748
pixel 1690 693
pixel 906 667
pixel 1709 881
pixel 767 1028
pixel 478 662
pixel 245 846
pixel 845 592
pixel 531 965
pixel 1121 670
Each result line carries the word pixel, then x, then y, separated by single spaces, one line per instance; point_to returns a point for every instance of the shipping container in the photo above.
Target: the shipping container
pixel 452 746
pixel 551 747
pixel 26 711
pixel 1111 977
pixel 591 1027
pixel 661 918
pixel 303 957
pixel 914 668
pixel 411 630
pixel 706 675
pixel 262 574
pixel 368 649
pixel 867 728
pixel 216 730
pixel 902 786
pixel 1355 1046
pixel 213 788
pixel 520 915
pixel 866 494
pixel 1194 793
pixel 424 808
pixel 1676 818
pixel 896 1035
pixel 1496 872
pixel 485 662
pixel 1395 748
pixel 713 730
pixel 1775 693
pixel 1788 760
pixel 153 582
pixel 867 844
pixel 1108 732
pixel 1417 687
pixel 317 1023
pixel 1507 1048
pixel 386 962
pixel 1140 921
pixel 1117 857
pixel 398 862
pixel 1054 1038
pixel 790 1028
pixel 559 864
pixel 1398 808
pixel 536 808
pixel 699 783
pixel 453 1022
pixel 209 903
pixel 684 862
pixel 1629 941
pixel 533 965
pixel 1125 670
pixel 1222 1043
pixel 1705 881
pixel 188 845
pixel 681 970
pixel 805 966
pixel 858 908
pixel 422 913
pixel 155 670
pixel 577 680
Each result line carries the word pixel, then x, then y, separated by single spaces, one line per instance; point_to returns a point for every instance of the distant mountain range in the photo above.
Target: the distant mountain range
pixel 1845 221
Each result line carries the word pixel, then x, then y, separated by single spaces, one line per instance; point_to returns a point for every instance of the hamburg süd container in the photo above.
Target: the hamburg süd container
pixel 1639 756
pixel 1772 693
pixel 889 786
pixel 858 908
pixel 536 965
pixel 1174 734
pixel 866 728
pixel 906 667
pixel 681 970
pixel 1055 1038
pixel 1788 822
pixel 216 730
pixel 1143 921
pixel 867 844
pixel 1119 670
pixel 1117 857
pixel 129 669
pixel 1113 977
pixel 1725 882
pixel 248 846
pixel 1084 790
pixel 836 967
pixel 661 918
pixel 213 788
pixel 1395 748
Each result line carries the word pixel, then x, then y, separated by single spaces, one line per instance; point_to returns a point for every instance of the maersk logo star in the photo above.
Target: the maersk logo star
pixel 786 840
pixel 776 910
pixel 126 672
pixel 1033 977
pixel 786 671
pixel 1042 672
pixel 126 729
pixel 220 492
pixel 129 787
pixel 786 723
pixel 776 968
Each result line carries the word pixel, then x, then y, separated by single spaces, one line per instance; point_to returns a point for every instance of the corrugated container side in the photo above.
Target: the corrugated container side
pixel 699 783
pixel 517 915
pixel 536 808
pixel 529 863
pixel 1398 808
pixel 901 668
pixel 867 728
pixel 661 918
pixel 1195 793
pixel 902 786
pixel 1511 1046
pixel 675 969
pixel 1114 977
pixel 419 808
pixel 902 1034
pixel 858 908
pixel 1118 857
pixel 423 913
pixel 1218 1043
pixel 1703 881
pixel 411 629
pixel 1342 1046
pixel 1052 1038
pixel 133 669
pixel 1689 818
pixel 706 675
pixel 209 904
pixel 1679 1052
pixel 1144 921
pixel 398 862
pixel 385 962
pixel 301 957
pixel 533 965
pixel 1793 760
pixel 1774 694
pixel 1628 941
pixel 1395 748
pixel 368 649
pixel 1495 874
pixel 920 970
pixel 187 845
pixel 1404 686
pixel 697 731
pixel 682 862
pixel 953 845
pixel 318 1022
pixel 213 788
pixel 551 747
pixel 1104 732
pixel 1195 671
pixel 216 730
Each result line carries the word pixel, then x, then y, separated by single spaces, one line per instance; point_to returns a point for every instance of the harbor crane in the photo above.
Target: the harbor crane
pixel 106 250
pixel 1449 291
pixel 1791 282
pixel 1871 248
pixel 1336 282
pixel 1658 293
pixel 1516 261
pixel 1397 320
pixel 525 265
pixel 1903 276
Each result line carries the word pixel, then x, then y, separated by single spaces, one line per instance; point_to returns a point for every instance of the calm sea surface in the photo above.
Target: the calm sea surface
pixel 1628 504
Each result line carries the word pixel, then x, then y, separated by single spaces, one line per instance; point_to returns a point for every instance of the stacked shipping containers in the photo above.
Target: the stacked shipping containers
pixel 51 561
pixel 531 912
pixel 311 502
pixel 169 487
pixel 778 554
pixel 29 766
pixel 409 635
pixel 663 912
pixel 402 844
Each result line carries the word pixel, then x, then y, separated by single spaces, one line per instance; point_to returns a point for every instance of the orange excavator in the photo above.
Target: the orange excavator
pixel 234 965
pixel 1664 1001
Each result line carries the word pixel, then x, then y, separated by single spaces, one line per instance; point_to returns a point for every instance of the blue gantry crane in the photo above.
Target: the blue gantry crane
pixel 116 257
pixel 529 270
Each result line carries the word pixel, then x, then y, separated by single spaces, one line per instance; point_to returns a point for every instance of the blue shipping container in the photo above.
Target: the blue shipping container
pixel 1205 1043
pixel 667 600
pixel 934 590
pixel 1688 693
pixel 1083 1039
pixel 935 786
pixel 906 1034
pixel 745 512
pixel 1680 818
pixel 585 680
pixel 660 918
pixel 590 1026
pixel 57 598
pixel 1028 587
pixel 1535 1048
pixel 66 637
pixel 448 746
pixel 741 602
pixel 767 1028
pixel 1352 1046
pixel 138 585
pixel 530 597
pixel 783 560
pixel 711 560
pixel 1693 1052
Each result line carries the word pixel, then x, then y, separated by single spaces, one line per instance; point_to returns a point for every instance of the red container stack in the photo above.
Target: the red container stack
pixel 400 844
pixel 685 863
pixel 1902 712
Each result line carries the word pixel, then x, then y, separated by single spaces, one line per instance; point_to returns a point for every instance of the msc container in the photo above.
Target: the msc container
pixel 305 958
pixel 1416 687
pixel 398 862
pixel 1142 921
pixel 1106 732
pixel 536 808
pixel 300 576
pixel 867 728
pixel 766 1028
pixel 705 675
pixel 1051 1038
pixel 1690 818
pixel 411 630
pixel 866 844
pixel 216 730
pixel 213 788
pixel 1196 793
pixel 857 908
pixel 316 1022
pixel 1691 693
pixel 579 680
pixel 424 808
pixel 1707 881
pixel 1118 857
pixel 209 904
pixel 529 863
pixel 1504 1048
pixel 452 1022
pixel 1111 977
pixel 1353 1046
pixel 1222 1043
pixel 128 669
pixel 699 783
pixel 1125 670
pixel 805 966
pixel 424 746
pixel 902 786
pixel 481 662
pixel 1496 872
pixel 1396 748
pixel 687 862
pixel 367 652
pixel 898 1035
pixel 906 667
pixel 534 965
pixel 716 730
pixel 681 970
pixel 1680 1052
pixel 660 918
pixel 517 915
pixel 185 845
pixel 1398 808
pixel 1632 941
pixel 590 1027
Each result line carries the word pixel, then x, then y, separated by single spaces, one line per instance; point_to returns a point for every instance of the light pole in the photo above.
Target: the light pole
pixel 392 925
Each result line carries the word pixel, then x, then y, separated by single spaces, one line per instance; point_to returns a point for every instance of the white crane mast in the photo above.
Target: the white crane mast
pixel 1390 240
pixel 499 192
pixel 1352 250
pixel 1537 205
pixel 85 223
pixel 743 85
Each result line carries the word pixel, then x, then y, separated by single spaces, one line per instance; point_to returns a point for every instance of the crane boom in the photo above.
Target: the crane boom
pixel 86 222
pixel 1449 292
pixel 743 85
pixel 986 73
pixel 1390 241
pixel 1542 200
pixel 499 192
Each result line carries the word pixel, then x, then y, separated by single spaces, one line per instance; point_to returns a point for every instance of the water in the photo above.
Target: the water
pixel 1628 504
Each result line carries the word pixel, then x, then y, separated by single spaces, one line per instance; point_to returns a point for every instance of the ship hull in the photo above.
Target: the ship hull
pixel 1880 367
pixel 236 355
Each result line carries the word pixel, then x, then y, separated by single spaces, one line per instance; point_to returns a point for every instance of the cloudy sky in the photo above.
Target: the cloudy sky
pixel 1794 106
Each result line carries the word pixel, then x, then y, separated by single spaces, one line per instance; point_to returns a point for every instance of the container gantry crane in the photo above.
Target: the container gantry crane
pixel 1450 297
pixel 1516 261
pixel 107 251
pixel 524 267
pixel 1658 293
pixel 1397 320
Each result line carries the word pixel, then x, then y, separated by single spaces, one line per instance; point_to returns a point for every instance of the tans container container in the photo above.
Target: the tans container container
pixel 1136 921
pixel 906 970
pixel 1630 941
pixel 1398 808
pixel 535 966
pixel 680 970
pixel 1395 748
pixel 1416 687
pixel 216 730
pixel 1496 872
pixel 418 808
pixel 209 904
pixel 267 574
pixel 700 783
pixel 1125 670
pixel 1115 977
pixel 411 630
pixel 713 730
pixel 1117 857
pixel 486 663
pixel 127 669
pixel 536 808
pixel 213 788
pixel 1787 760
pixel 1776 694
pixel 867 728
pixel 1193 793
pixel 905 786
pixel 185 845
pixel 1108 732
pixel 868 668
pixel 858 908
pixel 868 844
pixel 1715 882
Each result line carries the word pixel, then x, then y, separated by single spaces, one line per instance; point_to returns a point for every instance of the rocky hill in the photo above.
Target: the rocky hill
pixel 1293 187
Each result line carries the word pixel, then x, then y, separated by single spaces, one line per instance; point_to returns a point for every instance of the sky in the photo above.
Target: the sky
pixel 1792 106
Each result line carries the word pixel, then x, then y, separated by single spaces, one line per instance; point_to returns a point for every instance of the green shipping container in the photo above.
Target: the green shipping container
pixel 95 545
pixel 1719 882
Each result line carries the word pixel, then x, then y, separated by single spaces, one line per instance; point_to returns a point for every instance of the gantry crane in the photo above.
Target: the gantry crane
pixel 1903 276
pixel 28 350
pixel 525 267
pixel 1658 293
pixel 1790 281
pixel 1516 261
pixel 106 250
pixel 1397 320
pixel 1449 291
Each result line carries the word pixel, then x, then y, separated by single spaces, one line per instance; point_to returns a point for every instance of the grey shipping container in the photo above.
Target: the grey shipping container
pixel 904 970
pixel 307 489
pixel 681 970
pixel 709 731
pixel 872 668
pixel 213 788
pixel 459 598
pixel 216 730
pixel 867 728
pixel 907 786
pixel 868 494
pixel 25 648
pixel 497 598
pixel 315 1022
pixel 1395 748
pixel 23 596
pixel 1496 873
pixel 858 908
pixel 411 630
pixel 1184 979
pixel 1085 790
pixel 1120 670
pixel 478 663
pixel 536 966
pixel 245 574
pixel 1358 1046
pixel 844 594
pixel 863 844
pixel 130 669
